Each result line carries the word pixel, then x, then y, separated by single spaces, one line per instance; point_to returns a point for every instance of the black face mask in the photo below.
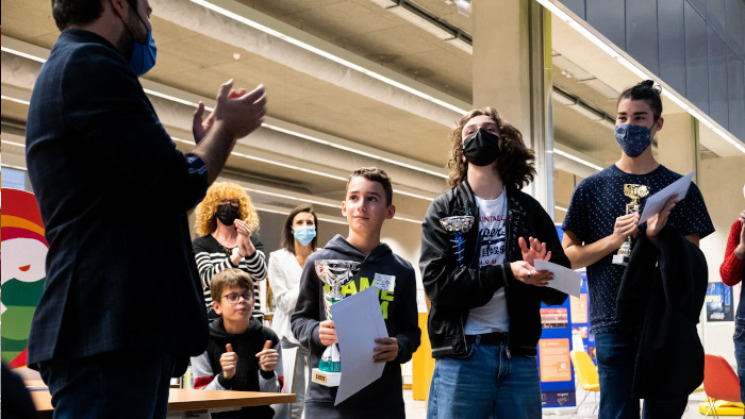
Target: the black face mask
pixel 481 147
pixel 227 213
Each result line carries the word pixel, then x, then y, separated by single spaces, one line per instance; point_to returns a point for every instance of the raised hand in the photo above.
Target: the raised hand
pixel 268 357
pixel 200 127
pixel 239 112
pixel 245 245
pixel 537 250
pixel 228 362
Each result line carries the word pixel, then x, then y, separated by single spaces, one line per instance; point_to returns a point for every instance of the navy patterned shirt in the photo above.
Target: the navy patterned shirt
pixel 597 202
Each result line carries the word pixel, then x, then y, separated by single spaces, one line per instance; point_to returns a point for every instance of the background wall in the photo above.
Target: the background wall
pixel 721 181
pixel 695 46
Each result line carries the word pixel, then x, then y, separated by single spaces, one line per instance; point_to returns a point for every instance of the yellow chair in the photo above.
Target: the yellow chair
pixel 587 375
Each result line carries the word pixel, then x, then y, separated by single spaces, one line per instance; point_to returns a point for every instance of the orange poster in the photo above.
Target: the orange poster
pixel 554 358
pixel 579 308
pixel 554 317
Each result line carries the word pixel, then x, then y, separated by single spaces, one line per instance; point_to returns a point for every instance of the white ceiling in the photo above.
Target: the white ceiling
pixel 350 83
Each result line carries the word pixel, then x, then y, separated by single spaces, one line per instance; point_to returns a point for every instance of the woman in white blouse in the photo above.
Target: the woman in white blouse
pixel 285 267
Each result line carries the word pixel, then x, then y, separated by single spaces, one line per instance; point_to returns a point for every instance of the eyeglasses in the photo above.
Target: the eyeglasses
pixel 233 202
pixel 234 297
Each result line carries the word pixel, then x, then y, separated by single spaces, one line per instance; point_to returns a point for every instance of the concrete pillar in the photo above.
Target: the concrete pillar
pixel 677 143
pixel 511 72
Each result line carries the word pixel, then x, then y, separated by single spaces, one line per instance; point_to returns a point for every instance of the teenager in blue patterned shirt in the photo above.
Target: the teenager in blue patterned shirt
pixel 596 225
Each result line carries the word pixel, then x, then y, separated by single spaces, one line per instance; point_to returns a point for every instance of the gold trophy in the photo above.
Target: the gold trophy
pixel 635 192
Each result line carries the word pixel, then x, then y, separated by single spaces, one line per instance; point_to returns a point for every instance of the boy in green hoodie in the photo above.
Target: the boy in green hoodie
pixel 367 204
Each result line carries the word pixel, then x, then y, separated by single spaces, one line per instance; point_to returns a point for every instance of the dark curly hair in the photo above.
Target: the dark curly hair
pixel 514 165
pixel 648 91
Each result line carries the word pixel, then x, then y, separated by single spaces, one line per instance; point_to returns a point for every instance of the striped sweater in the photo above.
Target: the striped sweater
pixel 212 258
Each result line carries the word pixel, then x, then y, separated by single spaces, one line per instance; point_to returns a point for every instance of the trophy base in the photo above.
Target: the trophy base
pixel 325 378
pixel 622 260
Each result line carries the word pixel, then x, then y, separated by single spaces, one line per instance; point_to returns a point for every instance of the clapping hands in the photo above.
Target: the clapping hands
pixel 524 271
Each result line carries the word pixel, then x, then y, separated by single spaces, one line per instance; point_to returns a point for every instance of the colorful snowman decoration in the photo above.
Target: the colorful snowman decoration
pixel 24 252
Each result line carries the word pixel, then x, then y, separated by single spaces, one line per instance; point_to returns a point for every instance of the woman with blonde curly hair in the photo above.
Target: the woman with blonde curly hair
pixel 226 224
pixel 484 322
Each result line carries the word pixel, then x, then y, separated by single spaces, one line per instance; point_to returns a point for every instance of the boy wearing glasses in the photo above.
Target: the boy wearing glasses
pixel 241 353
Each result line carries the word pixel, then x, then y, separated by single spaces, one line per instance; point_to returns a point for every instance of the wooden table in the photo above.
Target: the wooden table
pixel 181 401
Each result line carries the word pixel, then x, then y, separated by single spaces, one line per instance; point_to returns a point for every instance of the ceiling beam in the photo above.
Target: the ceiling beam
pixel 246 28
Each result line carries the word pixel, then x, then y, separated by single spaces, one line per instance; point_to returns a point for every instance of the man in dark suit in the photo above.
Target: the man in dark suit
pixel 122 307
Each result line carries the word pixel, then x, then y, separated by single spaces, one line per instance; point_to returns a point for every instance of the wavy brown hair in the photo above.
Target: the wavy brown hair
pixel 514 165
pixel 205 214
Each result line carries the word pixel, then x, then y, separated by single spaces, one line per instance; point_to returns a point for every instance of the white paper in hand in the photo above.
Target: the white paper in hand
pixel 358 321
pixel 565 279
pixel 655 202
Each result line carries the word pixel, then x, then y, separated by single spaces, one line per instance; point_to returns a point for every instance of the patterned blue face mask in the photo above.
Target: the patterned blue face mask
pixel 634 139
pixel 305 235
pixel 143 55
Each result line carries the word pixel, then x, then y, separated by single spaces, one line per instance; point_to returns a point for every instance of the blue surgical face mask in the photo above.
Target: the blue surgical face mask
pixel 143 55
pixel 305 235
pixel 634 139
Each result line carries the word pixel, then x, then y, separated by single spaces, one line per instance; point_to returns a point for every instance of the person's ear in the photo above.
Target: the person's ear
pixel 216 307
pixel 660 122
pixel 390 212
pixel 118 6
pixel 344 208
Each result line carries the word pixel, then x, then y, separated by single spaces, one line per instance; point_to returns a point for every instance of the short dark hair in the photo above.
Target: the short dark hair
pixel 515 163
pixel 288 239
pixel 79 12
pixel 230 278
pixel 375 174
pixel 646 90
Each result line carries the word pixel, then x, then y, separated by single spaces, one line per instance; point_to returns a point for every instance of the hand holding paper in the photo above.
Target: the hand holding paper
pixel 657 222
pixel 386 349
pixel 657 201
pixel 524 272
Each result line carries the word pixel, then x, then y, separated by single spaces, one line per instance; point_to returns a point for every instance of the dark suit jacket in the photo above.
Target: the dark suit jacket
pixel 113 193
pixel 662 304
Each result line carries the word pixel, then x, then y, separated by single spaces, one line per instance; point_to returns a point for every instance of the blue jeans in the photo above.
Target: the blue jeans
pixel 489 383
pixel 616 353
pixel 739 338
pixel 119 384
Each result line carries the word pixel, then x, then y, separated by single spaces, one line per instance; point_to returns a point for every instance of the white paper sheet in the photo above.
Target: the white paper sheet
pixel 565 279
pixel 655 202
pixel 358 321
